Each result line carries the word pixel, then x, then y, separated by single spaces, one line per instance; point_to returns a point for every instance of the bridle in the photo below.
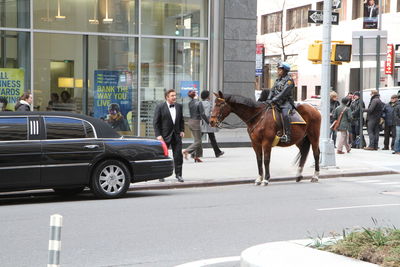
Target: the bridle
pixel 219 117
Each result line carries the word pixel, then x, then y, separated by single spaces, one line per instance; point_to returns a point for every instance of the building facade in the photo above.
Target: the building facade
pixel 284 30
pixel 93 56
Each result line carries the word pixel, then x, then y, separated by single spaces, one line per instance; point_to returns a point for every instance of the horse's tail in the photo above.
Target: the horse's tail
pixel 303 153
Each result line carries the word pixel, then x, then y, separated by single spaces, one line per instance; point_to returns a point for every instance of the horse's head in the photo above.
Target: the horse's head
pixel 220 111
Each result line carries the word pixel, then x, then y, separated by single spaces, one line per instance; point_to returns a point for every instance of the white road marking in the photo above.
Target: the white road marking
pixel 368 181
pixel 358 207
pixel 206 262
pixel 389 183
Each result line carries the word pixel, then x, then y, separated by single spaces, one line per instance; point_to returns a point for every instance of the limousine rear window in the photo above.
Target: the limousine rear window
pixel 13 129
pixel 64 128
pixel 89 130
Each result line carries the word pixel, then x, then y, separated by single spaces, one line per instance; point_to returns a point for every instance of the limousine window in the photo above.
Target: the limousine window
pixel 89 130
pixel 64 128
pixel 13 129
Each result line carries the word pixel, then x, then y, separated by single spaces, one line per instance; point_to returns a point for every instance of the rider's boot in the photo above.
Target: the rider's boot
pixel 286 137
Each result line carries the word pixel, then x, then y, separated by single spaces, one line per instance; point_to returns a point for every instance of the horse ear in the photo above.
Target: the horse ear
pixel 216 95
pixel 221 95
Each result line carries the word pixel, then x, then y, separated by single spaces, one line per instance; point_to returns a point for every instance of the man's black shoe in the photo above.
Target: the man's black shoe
pixel 219 154
pixel 179 178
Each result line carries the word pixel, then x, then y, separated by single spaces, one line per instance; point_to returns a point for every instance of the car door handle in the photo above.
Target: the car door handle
pixel 91 146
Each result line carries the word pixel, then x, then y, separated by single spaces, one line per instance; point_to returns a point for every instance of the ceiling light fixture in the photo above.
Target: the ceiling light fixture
pixel 59 17
pixel 47 18
pixel 94 21
pixel 107 20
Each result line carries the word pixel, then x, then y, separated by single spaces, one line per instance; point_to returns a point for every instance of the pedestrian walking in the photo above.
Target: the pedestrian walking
pixel 334 103
pixel 169 127
pixel 390 127
pixel 205 109
pixel 343 114
pixel 374 114
pixel 195 149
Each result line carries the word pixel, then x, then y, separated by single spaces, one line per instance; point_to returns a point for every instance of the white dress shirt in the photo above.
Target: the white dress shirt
pixel 172 111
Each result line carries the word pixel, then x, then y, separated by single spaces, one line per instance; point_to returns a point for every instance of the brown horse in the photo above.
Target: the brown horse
pixel 262 128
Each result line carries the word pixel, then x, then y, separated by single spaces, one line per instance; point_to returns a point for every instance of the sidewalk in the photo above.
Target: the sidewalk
pixel 238 166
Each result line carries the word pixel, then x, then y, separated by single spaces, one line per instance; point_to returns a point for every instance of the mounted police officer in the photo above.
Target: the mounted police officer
pixel 281 95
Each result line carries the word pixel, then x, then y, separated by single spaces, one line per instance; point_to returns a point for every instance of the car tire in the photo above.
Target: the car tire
pixel 110 179
pixel 69 191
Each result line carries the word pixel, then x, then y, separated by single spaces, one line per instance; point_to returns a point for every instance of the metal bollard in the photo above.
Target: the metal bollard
pixel 55 240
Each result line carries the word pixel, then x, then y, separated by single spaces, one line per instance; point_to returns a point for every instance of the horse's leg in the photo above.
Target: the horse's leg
pixel 258 150
pixel 316 153
pixel 267 157
pixel 304 148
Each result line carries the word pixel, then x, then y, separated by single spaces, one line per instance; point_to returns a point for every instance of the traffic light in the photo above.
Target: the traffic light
pixel 341 53
pixel 315 52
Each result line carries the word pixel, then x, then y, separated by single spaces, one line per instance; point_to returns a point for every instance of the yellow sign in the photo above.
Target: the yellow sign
pixel 11 85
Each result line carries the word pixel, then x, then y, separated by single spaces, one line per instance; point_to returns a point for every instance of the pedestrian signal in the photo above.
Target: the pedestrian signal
pixel 341 53
pixel 315 52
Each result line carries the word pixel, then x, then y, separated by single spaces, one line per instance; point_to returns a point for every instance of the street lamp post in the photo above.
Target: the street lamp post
pixel 326 144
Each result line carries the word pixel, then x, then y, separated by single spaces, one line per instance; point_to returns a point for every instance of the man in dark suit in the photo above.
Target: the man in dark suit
pixel 169 127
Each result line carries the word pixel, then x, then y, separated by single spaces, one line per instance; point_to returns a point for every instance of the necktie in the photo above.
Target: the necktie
pixel 171 106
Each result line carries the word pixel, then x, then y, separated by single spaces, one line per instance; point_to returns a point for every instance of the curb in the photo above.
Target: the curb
pixel 205 183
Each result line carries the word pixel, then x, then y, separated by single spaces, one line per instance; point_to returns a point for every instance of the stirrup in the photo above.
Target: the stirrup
pixel 284 139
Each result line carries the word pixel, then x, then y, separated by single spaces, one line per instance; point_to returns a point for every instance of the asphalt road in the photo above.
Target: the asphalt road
pixel 171 227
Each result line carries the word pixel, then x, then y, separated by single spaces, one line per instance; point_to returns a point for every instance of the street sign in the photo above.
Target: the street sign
pixel 369 45
pixel 336 4
pixel 317 16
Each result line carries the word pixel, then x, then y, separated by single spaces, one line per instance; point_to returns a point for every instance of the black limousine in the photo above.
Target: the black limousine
pixel 68 152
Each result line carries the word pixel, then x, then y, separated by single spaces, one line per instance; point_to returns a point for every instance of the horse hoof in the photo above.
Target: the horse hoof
pixel 257 183
pixel 264 183
pixel 314 180
pixel 299 178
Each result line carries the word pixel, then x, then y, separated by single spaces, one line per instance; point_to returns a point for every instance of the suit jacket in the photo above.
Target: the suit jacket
pixel 163 124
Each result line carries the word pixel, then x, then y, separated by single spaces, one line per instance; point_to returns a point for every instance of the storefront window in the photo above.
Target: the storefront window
pixel 112 16
pixel 175 17
pixel 169 63
pixel 14 66
pixel 58 72
pixel 113 82
pixel 14 13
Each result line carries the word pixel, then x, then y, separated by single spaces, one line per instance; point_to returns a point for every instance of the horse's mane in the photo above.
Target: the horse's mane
pixel 238 99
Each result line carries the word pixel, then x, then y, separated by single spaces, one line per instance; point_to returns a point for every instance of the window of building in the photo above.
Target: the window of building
pixel 14 14
pixel 385 6
pixel 271 23
pixel 297 17
pixel 398 6
pixel 358 9
pixel 64 128
pixel 303 92
pixel 317 90
pixel 174 17
pixel 178 64
pixel 13 129
pixel 112 16
pixel 14 65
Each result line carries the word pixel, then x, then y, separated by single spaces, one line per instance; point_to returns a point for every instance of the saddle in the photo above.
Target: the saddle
pixel 294 118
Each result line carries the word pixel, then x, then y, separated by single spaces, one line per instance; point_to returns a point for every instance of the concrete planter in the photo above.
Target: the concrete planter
pixel 295 253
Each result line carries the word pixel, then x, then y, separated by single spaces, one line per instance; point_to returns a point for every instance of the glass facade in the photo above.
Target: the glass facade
pixel 94 57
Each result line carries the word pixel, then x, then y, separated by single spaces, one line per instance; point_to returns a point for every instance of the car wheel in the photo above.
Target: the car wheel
pixel 69 191
pixel 111 179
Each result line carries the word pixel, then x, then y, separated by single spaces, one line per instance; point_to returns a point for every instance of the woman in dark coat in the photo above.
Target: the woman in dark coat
pixel 24 103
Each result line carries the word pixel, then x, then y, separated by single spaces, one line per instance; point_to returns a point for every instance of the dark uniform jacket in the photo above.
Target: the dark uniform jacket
pixel 355 109
pixel 281 92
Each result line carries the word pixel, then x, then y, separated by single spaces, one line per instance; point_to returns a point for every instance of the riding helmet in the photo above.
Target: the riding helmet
pixel 284 65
